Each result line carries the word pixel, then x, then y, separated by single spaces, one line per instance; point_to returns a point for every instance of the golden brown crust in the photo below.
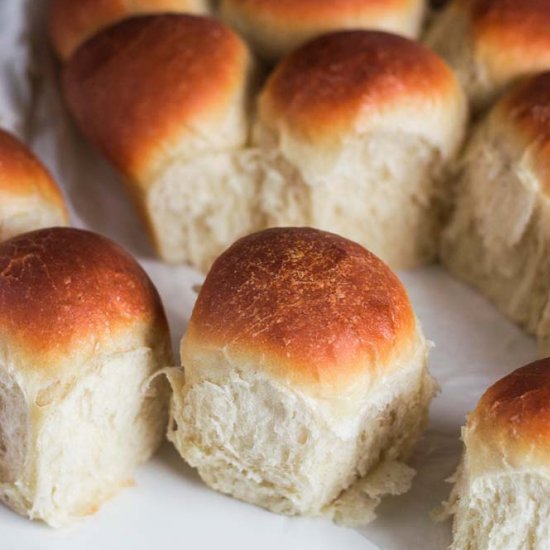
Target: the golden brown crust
pixel 137 88
pixel 528 105
pixel 320 306
pixel 305 13
pixel 73 22
pixel 340 80
pixel 22 174
pixel 64 292
pixel 513 416
pixel 515 23
pixel 510 36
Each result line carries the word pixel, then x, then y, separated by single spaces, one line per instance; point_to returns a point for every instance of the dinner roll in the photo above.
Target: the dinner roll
pixel 305 382
pixel 498 238
pixel 501 496
pixel 276 27
pixel 354 130
pixel 166 99
pixel 29 198
pixel 82 330
pixel 492 43
pixel 71 22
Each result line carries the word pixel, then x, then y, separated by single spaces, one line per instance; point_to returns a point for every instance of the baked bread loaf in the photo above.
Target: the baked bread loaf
pixel 354 130
pixel 81 331
pixel 72 22
pixel 276 27
pixel 166 99
pixel 29 198
pixel 491 44
pixel 498 237
pixel 502 487
pixel 305 382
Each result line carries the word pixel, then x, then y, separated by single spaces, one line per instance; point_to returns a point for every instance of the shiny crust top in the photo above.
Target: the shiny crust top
pixel 510 427
pixel 71 22
pixel 67 295
pixel 339 83
pixel 525 115
pixel 523 24
pixel 141 87
pixel 510 36
pixel 312 306
pixel 22 174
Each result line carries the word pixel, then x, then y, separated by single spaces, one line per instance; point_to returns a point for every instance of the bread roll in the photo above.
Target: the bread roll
pixel 491 44
pixel 276 27
pixel 81 331
pixel 72 22
pixel 29 198
pixel 501 495
pixel 305 382
pixel 354 130
pixel 498 238
pixel 166 99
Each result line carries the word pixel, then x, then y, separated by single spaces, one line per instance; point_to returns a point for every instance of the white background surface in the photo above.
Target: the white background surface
pixel 169 506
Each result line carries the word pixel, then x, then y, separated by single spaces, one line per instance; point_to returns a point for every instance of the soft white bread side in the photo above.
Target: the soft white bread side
pixel 501 496
pixel 82 330
pixel 498 237
pixel 491 44
pixel 29 198
pixel 311 397
pixel 167 99
pixel 72 22
pixel 355 130
pixel 276 27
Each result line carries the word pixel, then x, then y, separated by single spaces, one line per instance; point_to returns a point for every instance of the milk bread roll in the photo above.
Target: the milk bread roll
pixel 355 131
pixel 167 99
pixel 82 330
pixel 491 44
pixel 305 383
pixel 500 500
pixel 29 197
pixel 498 237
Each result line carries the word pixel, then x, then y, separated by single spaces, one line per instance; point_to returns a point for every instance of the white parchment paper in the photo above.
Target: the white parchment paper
pixel 170 507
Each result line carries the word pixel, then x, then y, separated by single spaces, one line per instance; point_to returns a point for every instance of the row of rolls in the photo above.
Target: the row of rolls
pixel 304 384
pixel 304 387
